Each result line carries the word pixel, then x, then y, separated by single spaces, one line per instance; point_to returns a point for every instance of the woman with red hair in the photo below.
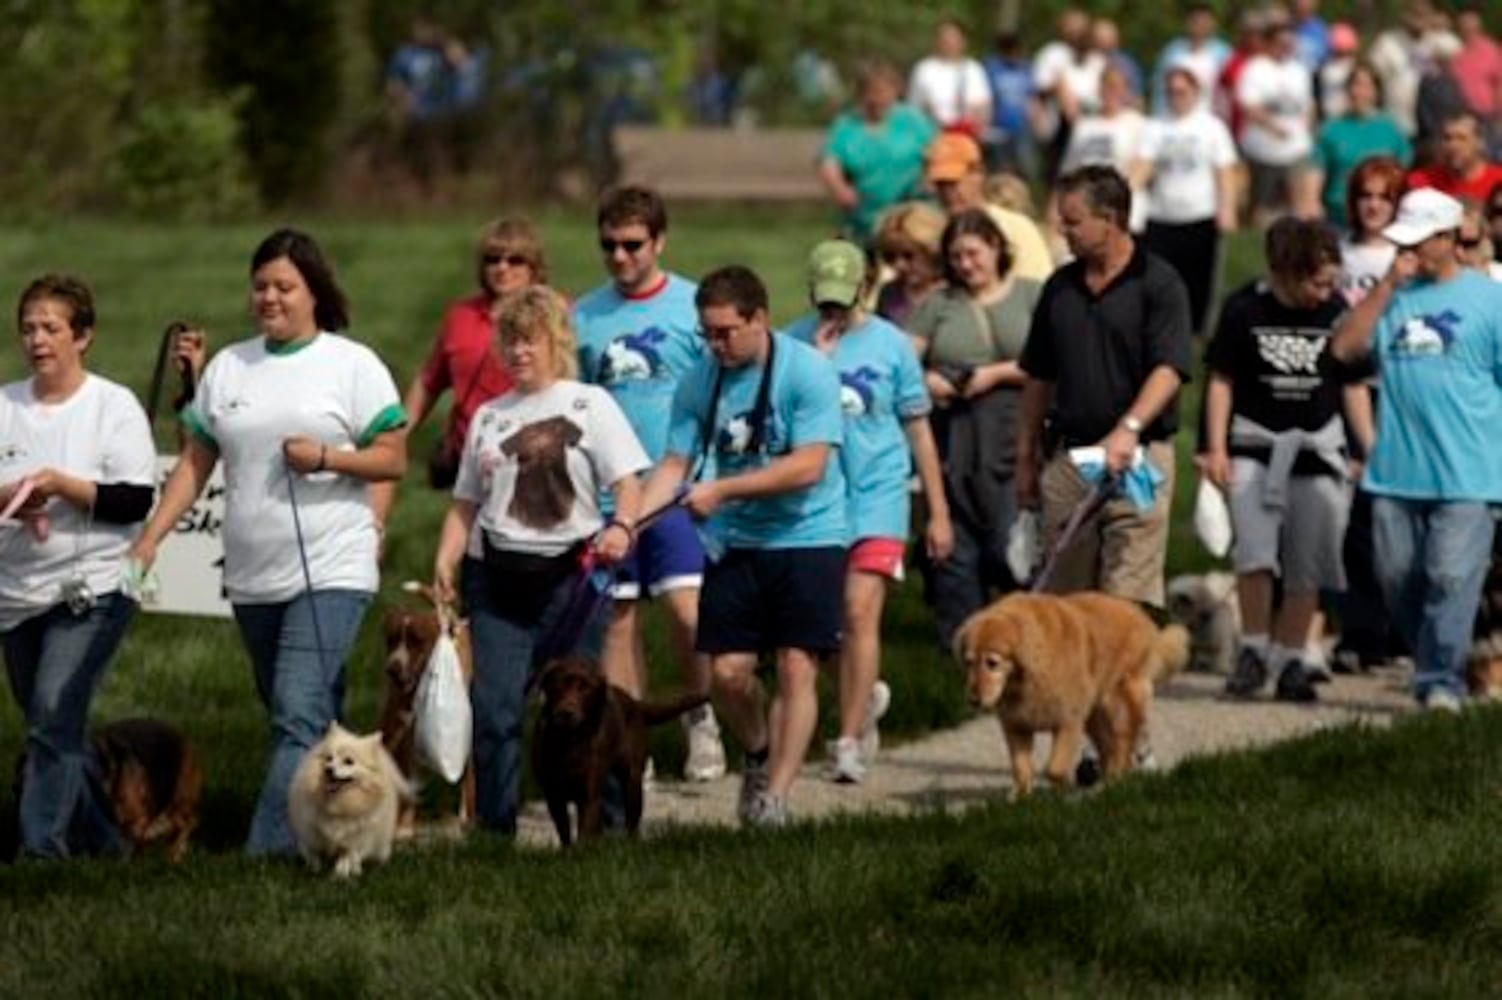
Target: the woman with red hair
pixel 1371 203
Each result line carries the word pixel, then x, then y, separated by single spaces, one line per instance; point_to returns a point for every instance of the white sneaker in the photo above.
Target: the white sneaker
pixel 845 764
pixel 706 754
pixel 770 812
pixel 753 790
pixel 876 707
pixel 649 777
pixel 1442 700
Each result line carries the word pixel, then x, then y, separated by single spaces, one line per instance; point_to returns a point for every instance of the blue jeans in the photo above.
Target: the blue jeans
pixel 503 662
pixel 54 662
pixel 302 688
pixel 1432 558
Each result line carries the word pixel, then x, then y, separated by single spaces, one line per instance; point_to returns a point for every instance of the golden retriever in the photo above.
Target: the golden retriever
pixel 1072 665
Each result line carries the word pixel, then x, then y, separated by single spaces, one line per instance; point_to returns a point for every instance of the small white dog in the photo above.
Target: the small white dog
pixel 344 800
pixel 1207 606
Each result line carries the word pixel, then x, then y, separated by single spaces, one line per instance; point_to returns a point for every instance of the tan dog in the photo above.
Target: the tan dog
pixel 410 636
pixel 1076 665
pixel 343 802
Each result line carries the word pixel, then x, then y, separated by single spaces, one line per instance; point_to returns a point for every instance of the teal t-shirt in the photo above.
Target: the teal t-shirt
pixel 883 162
pixel 803 409
pixel 1343 143
pixel 881 386
pixel 1438 349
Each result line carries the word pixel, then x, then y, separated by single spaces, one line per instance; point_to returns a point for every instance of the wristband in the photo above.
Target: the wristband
pixel 323 458
pixel 616 522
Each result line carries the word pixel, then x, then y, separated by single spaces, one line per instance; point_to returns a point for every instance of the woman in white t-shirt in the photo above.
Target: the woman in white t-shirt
pixel 304 420
pixel 77 468
pixel 526 508
pixel 1109 135
pixel 1372 196
pixel 1184 174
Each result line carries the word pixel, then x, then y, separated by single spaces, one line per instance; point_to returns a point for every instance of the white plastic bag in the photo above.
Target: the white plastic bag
pixel 1212 519
pixel 1024 546
pixel 445 724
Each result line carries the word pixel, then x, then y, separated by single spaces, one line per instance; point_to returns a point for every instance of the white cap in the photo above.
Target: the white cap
pixel 1423 212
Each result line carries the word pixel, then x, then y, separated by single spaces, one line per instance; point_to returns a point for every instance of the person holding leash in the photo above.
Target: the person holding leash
pixel 77 474
pixel 304 419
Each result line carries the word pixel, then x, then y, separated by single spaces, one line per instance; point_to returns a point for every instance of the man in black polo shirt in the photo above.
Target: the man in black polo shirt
pixel 1106 354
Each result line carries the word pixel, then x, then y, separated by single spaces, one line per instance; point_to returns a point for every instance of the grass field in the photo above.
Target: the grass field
pixel 1240 875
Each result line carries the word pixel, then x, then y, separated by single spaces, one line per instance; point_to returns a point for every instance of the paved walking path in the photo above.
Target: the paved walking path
pixel 968 764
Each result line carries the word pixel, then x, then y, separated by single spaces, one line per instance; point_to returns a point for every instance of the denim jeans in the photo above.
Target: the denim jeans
pixel 503 662
pixel 301 686
pixel 54 662
pixel 1432 558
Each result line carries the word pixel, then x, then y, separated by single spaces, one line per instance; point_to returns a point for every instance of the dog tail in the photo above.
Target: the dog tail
pixel 1170 652
pixel 655 713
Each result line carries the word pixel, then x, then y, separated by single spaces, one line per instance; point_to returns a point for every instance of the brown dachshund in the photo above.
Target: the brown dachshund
pixel 590 730
pixel 410 636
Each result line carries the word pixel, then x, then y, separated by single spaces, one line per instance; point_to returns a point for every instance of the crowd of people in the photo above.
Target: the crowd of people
pixel 968 369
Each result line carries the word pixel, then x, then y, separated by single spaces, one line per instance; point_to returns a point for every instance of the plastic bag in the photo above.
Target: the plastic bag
pixel 1212 519
pixel 445 723
pixel 1024 546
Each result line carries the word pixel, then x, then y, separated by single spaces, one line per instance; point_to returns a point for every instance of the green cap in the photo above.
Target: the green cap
pixel 836 271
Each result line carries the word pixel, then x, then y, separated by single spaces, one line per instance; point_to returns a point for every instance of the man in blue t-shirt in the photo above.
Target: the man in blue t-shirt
pixel 765 410
pixel 1435 331
pixel 1008 142
pixel 638 336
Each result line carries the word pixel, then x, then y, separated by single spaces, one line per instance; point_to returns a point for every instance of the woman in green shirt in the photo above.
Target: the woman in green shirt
pixel 1365 130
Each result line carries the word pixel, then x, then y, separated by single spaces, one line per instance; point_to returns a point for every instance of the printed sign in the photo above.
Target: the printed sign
pixel 190 561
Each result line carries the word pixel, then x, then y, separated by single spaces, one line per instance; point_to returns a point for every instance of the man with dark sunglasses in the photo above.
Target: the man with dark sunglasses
pixel 638 335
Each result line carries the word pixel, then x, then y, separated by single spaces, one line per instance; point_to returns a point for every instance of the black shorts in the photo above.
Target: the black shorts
pixel 762 600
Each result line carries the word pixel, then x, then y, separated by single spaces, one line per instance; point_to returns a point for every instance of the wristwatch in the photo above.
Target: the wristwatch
pixel 1132 424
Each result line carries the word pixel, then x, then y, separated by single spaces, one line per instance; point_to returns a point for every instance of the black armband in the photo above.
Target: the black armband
pixel 122 503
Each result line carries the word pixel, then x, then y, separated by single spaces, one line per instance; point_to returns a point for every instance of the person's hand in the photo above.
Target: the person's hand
pixel 143 554
pixel 1120 446
pixel 1216 467
pixel 847 198
pixel 704 499
pixel 304 454
pixel 940 389
pixel 982 380
pixel 938 538
pixel 445 594
pixel 1028 475
pixel 1355 468
pixel 1225 220
pixel 613 543
pixel 190 352
pixel 827 333
pixel 1405 267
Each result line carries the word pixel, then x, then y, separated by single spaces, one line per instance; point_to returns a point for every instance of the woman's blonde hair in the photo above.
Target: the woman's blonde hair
pixel 911 226
pixel 535 313
pixel 518 236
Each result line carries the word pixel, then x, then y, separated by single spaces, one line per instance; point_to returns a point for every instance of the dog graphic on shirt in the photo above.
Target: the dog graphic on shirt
pixel 544 493
pixel 1426 336
pixel 858 390
pixel 632 358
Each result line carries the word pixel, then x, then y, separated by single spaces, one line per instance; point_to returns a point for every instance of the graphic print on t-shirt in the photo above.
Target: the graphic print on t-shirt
pixel 544 494
pixel 633 357
pixel 1291 353
pixel 1426 336
pixel 858 390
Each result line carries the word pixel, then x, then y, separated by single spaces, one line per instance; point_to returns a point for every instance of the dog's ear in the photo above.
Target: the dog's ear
pixel 962 636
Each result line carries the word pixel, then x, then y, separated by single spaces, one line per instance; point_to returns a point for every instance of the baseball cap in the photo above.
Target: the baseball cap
pixel 1423 212
pixel 951 156
pixel 836 271
pixel 1343 38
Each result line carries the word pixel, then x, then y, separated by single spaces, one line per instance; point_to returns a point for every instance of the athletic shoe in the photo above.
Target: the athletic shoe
pixel 845 764
pixel 706 754
pixel 1294 684
pixel 770 812
pixel 753 788
pixel 1317 673
pixel 1248 677
pixel 1442 700
pixel 876 707
pixel 649 777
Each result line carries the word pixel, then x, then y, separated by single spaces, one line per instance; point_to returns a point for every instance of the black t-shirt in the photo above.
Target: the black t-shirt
pixel 1098 350
pixel 1278 359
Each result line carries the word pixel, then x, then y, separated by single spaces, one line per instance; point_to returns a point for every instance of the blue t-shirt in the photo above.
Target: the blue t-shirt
pixel 1438 349
pixel 638 349
pixel 1011 86
pixel 881 385
pixel 803 409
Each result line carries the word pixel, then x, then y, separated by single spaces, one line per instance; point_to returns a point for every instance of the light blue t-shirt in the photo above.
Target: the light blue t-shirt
pixel 881 385
pixel 803 409
pixel 638 349
pixel 1438 349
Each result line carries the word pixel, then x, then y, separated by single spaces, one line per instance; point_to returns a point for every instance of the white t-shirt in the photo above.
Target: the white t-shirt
pixel 946 89
pixel 1055 64
pixel 1185 154
pixel 1112 142
pixel 1362 265
pixel 99 434
pixel 1285 90
pixel 535 464
pixel 250 400
pixel 1398 58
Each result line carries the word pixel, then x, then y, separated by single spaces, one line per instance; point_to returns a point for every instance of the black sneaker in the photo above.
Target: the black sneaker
pixel 1087 772
pixel 1317 673
pixel 1249 676
pixel 1294 684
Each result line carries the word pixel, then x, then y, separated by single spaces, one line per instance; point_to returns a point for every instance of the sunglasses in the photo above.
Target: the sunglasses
pixel 510 260
pixel 898 256
pixel 630 246
pixel 1469 243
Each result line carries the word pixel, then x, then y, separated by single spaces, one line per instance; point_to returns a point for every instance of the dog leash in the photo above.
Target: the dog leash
pixel 1100 493
pixel 302 556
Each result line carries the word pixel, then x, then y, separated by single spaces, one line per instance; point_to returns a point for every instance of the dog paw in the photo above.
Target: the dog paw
pixel 347 866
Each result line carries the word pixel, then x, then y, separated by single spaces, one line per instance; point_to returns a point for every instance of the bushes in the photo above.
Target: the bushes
pixel 182 159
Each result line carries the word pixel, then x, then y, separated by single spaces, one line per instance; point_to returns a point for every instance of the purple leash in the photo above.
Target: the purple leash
pixel 1087 508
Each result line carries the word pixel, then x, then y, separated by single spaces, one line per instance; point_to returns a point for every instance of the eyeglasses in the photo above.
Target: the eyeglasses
pixel 510 260
pixel 630 246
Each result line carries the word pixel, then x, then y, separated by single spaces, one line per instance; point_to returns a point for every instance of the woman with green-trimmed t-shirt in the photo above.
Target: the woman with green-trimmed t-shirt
pixel 304 419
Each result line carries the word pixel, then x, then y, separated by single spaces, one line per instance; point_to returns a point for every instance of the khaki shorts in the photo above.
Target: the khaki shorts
pixel 1121 550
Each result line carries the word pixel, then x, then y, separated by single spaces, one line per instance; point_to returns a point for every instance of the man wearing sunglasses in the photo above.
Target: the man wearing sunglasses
pixel 638 335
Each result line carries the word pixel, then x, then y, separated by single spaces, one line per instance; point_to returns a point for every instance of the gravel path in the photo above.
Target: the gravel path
pixel 967 764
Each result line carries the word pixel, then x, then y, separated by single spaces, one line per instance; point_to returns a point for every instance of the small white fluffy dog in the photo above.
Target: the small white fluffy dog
pixel 1206 605
pixel 344 800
